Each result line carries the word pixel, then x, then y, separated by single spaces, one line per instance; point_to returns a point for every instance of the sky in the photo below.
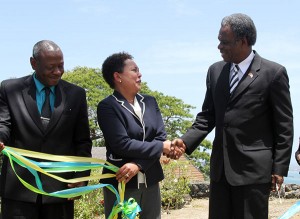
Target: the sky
pixel 173 41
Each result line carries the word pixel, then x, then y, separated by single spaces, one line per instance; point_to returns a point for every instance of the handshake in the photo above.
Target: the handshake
pixel 174 149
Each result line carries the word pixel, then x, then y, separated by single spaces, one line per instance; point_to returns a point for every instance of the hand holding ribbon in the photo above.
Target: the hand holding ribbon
pixel 59 164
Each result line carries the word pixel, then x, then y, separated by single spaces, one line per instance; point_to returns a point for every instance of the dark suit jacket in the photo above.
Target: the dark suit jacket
pixel 21 127
pixel 253 126
pixel 129 140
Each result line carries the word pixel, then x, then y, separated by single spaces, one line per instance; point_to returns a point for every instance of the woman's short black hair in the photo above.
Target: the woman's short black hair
pixel 114 63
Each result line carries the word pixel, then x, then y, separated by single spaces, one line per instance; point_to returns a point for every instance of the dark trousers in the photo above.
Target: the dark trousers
pixel 149 200
pixel 238 202
pixel 12 209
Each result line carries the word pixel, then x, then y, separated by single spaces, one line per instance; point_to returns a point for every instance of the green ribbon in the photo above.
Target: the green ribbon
pixel 61 164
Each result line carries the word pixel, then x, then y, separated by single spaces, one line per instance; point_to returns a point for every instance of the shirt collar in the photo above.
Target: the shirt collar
pixel 39 85
pixel 244 65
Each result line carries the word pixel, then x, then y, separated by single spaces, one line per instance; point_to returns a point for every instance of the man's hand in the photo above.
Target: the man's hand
pixel 276 181
pixel 177 149
pixel 74 185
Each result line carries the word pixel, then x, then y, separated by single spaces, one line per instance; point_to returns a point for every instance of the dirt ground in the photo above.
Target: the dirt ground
pixel 198 209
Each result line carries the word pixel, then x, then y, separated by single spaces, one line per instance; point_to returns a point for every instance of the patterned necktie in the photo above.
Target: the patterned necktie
pixel 234 78
pixel 46 109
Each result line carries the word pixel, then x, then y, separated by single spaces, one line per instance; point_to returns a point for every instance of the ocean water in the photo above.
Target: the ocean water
pixel 293 177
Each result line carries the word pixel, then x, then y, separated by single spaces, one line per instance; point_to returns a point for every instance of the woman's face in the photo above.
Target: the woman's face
pixel 131 77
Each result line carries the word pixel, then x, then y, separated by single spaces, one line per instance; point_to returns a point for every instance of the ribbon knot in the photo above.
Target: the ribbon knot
pixel 129 209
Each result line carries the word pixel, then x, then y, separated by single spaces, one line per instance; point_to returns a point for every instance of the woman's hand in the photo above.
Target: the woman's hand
pixel 167 147
pixel 126 172
pixel 298 158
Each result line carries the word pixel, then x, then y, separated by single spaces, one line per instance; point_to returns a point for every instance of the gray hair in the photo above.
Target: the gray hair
pixel 44 45
pixel 242 26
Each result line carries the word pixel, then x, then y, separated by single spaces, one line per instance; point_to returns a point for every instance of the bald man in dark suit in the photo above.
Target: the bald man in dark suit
pixel 59 126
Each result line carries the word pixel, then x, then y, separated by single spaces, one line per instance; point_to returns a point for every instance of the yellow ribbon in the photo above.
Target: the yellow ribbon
pixel 129 209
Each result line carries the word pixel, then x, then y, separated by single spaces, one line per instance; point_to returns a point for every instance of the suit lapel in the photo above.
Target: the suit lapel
pixel 221 88
pixel 124 103
pixel 250 75
pixel 29 97
pixel 225 77
pixel 59 105
pixel 140 99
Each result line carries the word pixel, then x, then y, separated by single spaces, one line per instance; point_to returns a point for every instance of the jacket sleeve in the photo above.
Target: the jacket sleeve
pixel 82 139
pixel 5 119
pixel 282 122
pixel 161 135
pixel 204 122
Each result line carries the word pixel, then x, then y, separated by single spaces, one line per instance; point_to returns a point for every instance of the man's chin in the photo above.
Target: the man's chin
pixel 224 57
pixel 53 82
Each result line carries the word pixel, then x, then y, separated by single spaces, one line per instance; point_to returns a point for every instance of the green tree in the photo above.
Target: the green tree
pixel 96 89
pixel 176 114
pixel 201 157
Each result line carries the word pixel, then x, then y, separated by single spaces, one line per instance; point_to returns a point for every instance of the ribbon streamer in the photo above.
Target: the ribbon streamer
pixel 59 164
pixel 291 211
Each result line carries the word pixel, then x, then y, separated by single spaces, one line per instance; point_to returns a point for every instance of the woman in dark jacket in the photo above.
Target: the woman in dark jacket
pixel 134 136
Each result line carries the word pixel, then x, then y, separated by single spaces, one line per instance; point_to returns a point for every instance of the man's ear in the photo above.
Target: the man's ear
pixel 33 63
pixel 244 41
